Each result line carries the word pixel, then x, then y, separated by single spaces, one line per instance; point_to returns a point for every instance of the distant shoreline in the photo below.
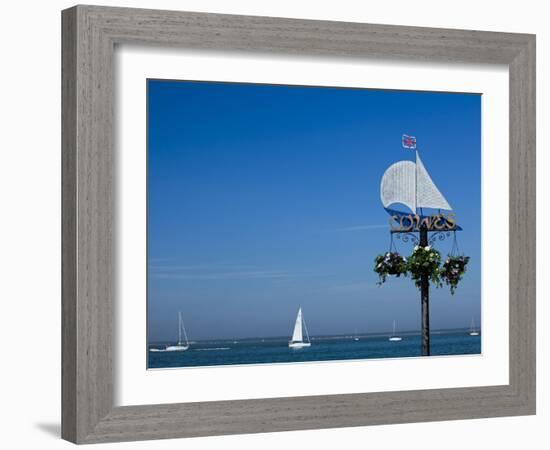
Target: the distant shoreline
pixel 321 337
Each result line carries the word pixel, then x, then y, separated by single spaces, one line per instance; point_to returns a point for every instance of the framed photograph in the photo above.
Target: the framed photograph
pixel 278 224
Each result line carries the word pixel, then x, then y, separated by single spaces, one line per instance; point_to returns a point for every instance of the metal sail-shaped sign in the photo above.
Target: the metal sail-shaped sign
pixel 398 185
pixel 427 194
pixel 410 184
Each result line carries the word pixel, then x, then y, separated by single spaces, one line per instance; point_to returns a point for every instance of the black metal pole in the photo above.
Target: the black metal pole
pixel 425 298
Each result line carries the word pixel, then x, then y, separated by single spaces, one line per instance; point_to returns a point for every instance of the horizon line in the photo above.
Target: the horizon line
pixel 371 334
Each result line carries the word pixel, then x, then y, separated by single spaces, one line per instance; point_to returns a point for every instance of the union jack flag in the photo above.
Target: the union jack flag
pixel 408 142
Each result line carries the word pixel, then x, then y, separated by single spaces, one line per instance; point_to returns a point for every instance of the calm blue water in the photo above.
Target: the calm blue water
pixel 275 350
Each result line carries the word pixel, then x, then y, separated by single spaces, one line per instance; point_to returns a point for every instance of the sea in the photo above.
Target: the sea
pixel 272 350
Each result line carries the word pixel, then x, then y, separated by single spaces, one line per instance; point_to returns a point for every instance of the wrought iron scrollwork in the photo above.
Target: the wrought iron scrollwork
pixel 439 236
pixel 406 237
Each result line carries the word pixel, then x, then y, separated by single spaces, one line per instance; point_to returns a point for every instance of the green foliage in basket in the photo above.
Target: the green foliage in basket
pixel 424 260
pixel 389 263
pixel 453 270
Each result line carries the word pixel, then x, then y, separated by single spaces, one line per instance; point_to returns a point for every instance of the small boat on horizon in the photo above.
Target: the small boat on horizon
pixel 394 337
pixel 473 330
pixel 181 346
pixel 355 337
pixel 297 340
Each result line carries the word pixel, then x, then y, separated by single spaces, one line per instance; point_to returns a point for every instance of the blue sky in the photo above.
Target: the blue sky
pixel 263 198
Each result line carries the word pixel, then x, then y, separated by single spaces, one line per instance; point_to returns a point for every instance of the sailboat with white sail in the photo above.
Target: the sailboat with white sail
pixel 394 337
pixel 297 340
pixel 473 330
pixel 182 345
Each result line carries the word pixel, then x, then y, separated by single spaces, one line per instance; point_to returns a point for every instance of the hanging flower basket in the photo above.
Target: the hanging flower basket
pixel 424 260
pixel 389 263
pixel 453 269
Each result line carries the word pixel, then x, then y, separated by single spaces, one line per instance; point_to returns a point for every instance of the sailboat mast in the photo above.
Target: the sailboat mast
pixel 184 333
pixel 179 327
pixel 305 328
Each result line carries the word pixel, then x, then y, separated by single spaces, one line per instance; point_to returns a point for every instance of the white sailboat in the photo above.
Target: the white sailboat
pixel 297 340
pixel 394 337
pixel 473 331
pixel 409 183
pixel 355 337
pixel 182 345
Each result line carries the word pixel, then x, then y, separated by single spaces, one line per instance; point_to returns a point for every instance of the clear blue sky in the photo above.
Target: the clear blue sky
pixel 263 198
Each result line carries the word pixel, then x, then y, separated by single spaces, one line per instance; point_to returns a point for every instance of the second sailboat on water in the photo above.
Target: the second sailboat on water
pixel 297 340
pixel 394 337
pixel 181 346
pixel 473 330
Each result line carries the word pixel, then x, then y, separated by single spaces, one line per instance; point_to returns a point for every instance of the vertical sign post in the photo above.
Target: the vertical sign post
pixel 425 298
pixel 400 184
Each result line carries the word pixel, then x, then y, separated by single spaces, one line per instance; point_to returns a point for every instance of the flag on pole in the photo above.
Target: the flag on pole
pixel 408 142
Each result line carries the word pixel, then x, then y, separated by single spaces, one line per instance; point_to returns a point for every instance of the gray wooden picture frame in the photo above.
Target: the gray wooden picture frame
pixel 90 34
